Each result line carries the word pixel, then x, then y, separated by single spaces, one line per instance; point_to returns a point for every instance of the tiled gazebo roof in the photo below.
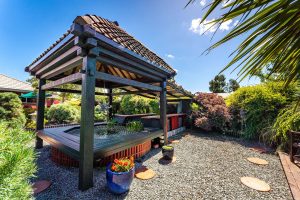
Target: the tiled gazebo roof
pixel 9 84
pixel 112 31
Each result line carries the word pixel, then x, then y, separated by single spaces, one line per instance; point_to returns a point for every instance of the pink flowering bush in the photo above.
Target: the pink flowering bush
pixel 213 113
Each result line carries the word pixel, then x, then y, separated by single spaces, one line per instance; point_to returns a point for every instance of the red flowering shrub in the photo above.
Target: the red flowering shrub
pixel 213 113
pixel 122 164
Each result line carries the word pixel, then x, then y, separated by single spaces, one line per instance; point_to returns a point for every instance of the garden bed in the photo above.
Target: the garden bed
pixel 207 166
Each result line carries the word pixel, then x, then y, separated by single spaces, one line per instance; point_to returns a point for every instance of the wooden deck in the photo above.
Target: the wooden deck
pixel 292 173
pixel 103 147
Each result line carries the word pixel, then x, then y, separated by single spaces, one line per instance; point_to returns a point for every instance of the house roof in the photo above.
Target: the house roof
pixel 9 84
pixel 112 31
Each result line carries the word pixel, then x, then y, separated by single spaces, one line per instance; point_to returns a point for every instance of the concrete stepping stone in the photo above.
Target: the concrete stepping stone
pixel 144 173
pixel 40 186
pixel 257 161
pixel 256 184
pixel 174 141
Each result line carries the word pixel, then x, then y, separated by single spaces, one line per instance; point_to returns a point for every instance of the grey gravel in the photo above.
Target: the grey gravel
pixel 207 166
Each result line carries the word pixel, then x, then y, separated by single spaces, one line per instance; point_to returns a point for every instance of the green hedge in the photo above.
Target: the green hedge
pixel 138 105
pixel 260 105
pixel 17 162
pixel 11 108
pixel 63 113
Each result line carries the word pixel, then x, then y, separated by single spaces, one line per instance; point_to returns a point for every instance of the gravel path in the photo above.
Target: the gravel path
pixel 207 167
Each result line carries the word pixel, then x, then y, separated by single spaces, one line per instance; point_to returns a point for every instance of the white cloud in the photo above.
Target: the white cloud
pixel 202 2
pixel 170 56
pixel 225 25
pixel 208 27
pixel 204 27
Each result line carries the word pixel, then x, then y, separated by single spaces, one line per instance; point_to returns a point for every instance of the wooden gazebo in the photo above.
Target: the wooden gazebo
pixel 95 53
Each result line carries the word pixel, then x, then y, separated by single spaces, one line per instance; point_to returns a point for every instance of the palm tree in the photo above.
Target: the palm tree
pixel 273 29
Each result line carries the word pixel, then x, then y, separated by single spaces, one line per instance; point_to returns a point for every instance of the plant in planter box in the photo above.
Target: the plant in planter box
pixel 119 175
pixel 134 126
pixel 168 152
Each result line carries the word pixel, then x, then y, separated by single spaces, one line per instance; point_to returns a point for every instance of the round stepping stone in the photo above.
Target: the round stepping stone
pixel 256 184
pixel 174 141
pixel 166 162
pixel 40 186
pixel 257 161
pixel 144 173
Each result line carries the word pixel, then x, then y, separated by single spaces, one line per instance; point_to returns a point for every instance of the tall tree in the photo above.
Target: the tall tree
pixel 218 84
pixel 232 85
pixel 273 29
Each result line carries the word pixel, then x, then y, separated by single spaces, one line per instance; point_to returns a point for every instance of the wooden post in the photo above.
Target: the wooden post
pixel 87 123
pixel 40 113
pixel 110 100
pixel 163 110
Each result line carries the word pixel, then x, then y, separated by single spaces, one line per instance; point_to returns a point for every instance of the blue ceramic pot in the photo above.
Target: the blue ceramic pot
pixel 118 182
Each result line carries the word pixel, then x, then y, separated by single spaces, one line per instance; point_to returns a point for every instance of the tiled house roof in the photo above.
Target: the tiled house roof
pixel 9 84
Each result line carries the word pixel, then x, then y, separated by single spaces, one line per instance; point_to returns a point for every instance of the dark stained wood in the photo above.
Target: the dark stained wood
pixel 68 79
pixel 40 113
pixel 110 103
pixel 133 92
pixel 124 81
pixel 62 58
pixel 129 62
pixel 126 67
pixel 74 91
pixel 87 124
pixel 294 140
pixel 63 68
pixel 163 110
pixel 60 48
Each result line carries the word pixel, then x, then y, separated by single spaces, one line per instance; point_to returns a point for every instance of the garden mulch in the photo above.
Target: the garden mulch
pixel 208 166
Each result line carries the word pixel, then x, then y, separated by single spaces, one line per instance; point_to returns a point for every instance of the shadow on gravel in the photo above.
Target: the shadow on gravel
pixel 225 138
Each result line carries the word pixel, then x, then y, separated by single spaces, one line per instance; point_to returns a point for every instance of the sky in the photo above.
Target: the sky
pixel 28 27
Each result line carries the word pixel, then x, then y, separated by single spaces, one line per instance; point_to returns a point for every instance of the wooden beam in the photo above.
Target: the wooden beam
pixel 163 110
pixel 68 79
pixel 40 113
pixel 60 48
pixel 74 91
pixel 125 81
pixel 71 53
pixel 88 31
pixel 133 92
pixel 110 102
pixel 87 124
pixel 126 67
pixel 63 67
pixel 136 65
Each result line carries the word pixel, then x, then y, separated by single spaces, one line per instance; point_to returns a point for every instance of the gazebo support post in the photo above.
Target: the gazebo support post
pixel 163 109
pixel 87 123
pixel 110 100
pixel 40 112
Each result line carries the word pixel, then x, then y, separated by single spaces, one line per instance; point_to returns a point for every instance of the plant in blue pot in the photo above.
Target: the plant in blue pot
pixel 119 175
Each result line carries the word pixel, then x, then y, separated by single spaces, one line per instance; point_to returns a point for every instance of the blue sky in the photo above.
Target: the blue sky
pixel 29 27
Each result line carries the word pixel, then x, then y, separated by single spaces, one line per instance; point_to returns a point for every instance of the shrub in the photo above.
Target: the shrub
pixel 11 108
pixel 134 126
pixel 138 105
pixel 212 113
pixel 17 160
pixel 260 105
pixel 100 115
pixel 63 113
pixel 287 119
